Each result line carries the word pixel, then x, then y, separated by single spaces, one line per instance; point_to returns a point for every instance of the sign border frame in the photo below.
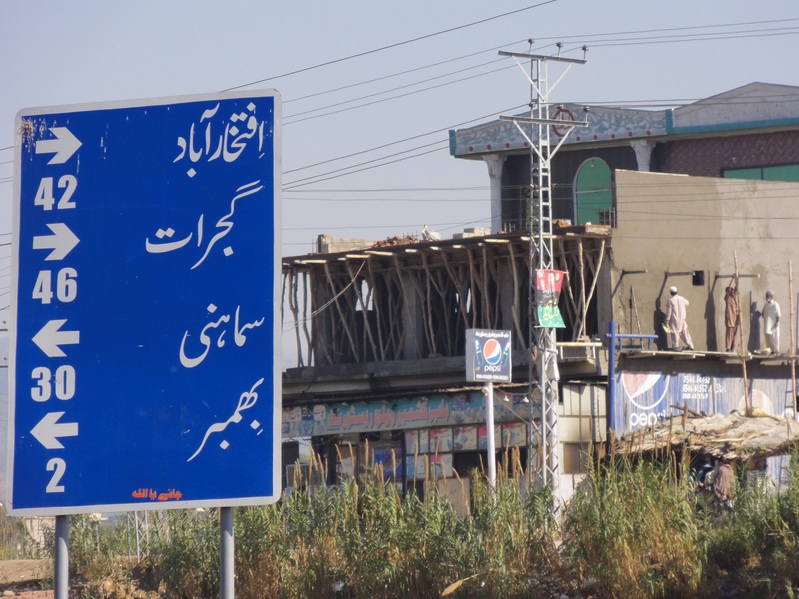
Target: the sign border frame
pixel 16 204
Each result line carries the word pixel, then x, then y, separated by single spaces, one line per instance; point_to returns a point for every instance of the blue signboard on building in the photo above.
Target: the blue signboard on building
pixel 643 399
pixel 144 361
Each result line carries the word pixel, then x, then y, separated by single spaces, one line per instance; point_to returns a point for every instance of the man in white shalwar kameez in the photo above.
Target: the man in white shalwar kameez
pixel 771 323
pixel 676 312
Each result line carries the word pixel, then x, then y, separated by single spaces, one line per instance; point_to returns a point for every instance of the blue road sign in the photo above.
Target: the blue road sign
pixel 145 359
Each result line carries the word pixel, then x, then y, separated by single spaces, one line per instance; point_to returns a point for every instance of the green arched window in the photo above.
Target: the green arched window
pixel 592 194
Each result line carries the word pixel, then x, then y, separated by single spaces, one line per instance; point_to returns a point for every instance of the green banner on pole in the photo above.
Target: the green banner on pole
pixel 547 287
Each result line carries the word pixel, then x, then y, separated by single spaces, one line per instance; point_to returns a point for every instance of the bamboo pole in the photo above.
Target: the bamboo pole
pixel 460 287
pixel 491 258
pixel 571 306
pixel 472 291
pixel 747 398
pixel 515 308
pixel 595 272
pixel 793 339
pixel 486 299
pixel 635 308
pixel 396 306
pixel 306 318
pixel 342 315
pixel 439 283
pixel 427 313
pixel 583 308
pixel 294 307
pixel 364 309
pixel 376 307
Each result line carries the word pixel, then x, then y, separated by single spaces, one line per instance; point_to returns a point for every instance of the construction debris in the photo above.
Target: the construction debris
pixel 734 436
pixel 395 240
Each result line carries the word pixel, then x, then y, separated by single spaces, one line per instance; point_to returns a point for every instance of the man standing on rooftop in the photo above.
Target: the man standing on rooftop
pixel 732 316
pixel 771 323
pixel 676 312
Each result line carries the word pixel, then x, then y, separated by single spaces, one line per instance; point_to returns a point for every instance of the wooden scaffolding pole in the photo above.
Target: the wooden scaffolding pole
pixel 793 339
pixel 747 398
pixel 341 313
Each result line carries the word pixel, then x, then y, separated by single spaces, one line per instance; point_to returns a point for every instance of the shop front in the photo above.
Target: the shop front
pixel 414 441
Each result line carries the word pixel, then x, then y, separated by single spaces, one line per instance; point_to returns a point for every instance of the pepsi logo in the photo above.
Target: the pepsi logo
pixel 645 390
pixel 492 352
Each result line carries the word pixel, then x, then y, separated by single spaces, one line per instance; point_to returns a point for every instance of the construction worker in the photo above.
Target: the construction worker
pixel 676 312
pixel 771 323
pixel 732 316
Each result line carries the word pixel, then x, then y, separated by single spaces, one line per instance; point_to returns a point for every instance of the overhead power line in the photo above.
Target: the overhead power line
pixel 399 141
pixel 394 45
pixel 405 72
pixel 417 226
pixel 684 39
pixel 434 143
pixel 393 189
pixel 586 37
pixel 371 200
pixel 296 184
pixel 401 87
pixel 395 97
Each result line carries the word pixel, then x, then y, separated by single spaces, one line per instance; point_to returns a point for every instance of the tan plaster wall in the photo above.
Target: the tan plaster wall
pixel 678 224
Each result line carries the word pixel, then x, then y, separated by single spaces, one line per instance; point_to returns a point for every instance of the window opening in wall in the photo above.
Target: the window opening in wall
pixel 575 458
pixel 366 297
pixel 593 196
pixel 785 172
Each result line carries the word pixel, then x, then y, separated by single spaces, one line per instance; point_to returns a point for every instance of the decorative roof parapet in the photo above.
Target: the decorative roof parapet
pixel 606 124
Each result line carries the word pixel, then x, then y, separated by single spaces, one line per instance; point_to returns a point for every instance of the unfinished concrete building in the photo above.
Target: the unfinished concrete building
pixel 380 337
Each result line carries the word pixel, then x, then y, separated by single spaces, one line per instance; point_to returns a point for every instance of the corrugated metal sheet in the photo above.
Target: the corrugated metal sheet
pixel 644 398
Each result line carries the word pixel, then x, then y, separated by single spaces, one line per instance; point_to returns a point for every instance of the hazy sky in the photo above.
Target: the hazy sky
pixel 393 105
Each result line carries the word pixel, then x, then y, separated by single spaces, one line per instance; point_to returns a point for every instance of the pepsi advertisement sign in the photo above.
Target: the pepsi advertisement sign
pixel 488 356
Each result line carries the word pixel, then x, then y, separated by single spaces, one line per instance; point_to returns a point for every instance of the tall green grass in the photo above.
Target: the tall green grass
pixel 634 529
pixel 363 539
pixel 631 530
pixel 759 541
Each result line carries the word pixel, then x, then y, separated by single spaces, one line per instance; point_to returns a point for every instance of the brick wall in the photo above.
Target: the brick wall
pixel 709 157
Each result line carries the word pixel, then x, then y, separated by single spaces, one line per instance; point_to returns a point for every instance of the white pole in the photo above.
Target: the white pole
pixel 492 453
pixel 61 573
pixel 226 554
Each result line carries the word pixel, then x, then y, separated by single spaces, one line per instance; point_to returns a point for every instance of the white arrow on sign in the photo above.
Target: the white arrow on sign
pixel 61 241
pixel 63 146
pixel 50 429
pixel 51 337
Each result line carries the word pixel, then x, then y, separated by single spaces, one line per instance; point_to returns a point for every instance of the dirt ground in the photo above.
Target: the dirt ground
pixel 21 578
pixel 24 570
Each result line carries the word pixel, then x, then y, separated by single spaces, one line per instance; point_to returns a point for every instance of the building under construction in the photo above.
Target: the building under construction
pixel 380 335
pixel 379 329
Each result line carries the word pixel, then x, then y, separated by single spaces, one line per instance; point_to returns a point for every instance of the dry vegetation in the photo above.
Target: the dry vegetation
pixel 633 529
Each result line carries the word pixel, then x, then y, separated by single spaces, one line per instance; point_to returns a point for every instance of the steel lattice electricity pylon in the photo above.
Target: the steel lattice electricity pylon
pixel 536 129
pixel 139 522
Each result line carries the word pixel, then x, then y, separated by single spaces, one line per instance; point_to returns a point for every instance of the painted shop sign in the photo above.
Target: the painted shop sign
pixel 406 413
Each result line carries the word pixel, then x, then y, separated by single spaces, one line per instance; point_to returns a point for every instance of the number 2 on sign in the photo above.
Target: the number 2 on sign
pixel 58 467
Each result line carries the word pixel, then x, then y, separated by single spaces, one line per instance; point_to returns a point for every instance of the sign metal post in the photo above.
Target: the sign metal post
pixel 488 359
